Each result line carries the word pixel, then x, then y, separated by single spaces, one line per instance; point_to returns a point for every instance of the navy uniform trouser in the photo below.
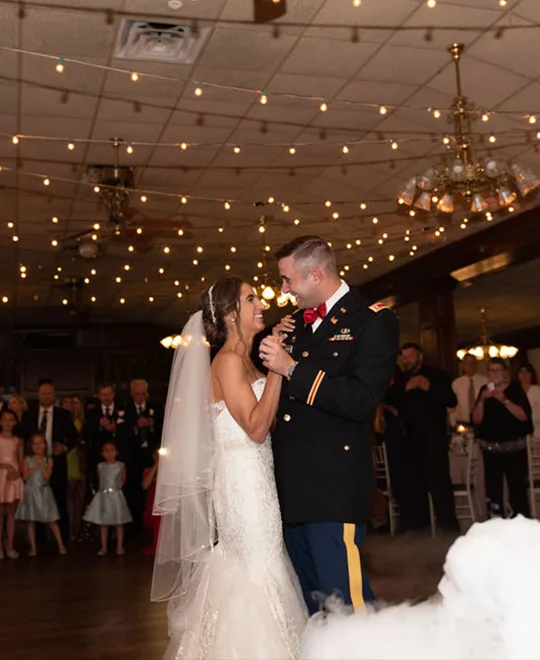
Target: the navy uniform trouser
pixel 326 557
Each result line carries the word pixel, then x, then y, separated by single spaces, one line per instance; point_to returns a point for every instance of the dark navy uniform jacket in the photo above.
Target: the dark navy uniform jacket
pixel 322 441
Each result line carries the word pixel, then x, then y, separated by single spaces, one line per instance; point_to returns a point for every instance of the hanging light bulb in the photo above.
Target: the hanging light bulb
pixel 129 148
pixel 383 110
pixel 532 119
pixel 268 293
pixel 71 145
pixel 227 206
pixel 292 149
pixel 134 76
pixel 183 146
pixel 60 66
pixel 431 3
pixel 15 139
pixel 263 98
pixel 323 106
pixel 485 116
pixel 198 90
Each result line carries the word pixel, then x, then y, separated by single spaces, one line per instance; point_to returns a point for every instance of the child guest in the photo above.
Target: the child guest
pixel 109 507
pixel 11 484
pixel 38 504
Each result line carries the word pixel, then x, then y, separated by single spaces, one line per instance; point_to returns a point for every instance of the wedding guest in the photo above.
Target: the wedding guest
pixel 18 405
pixel 144 421
pixel 528 378
pixel 76 469
pixel 11 484
pixel 503 416
pixel 108 507
pixel 38 502
pixel 103 423
pixel 56 426
pixel 151 522
pixel 422 395
pixel 467 388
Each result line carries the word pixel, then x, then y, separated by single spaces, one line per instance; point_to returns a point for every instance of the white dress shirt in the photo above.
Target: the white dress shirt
pixel 105 408
pixel 534 400
pixel 48 430
pixel 461 389
pixel 343 289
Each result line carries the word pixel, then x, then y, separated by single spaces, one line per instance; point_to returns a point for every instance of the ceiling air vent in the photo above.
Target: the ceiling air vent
pixel 160 42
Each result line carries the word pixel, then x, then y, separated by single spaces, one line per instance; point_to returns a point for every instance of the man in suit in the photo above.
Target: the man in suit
pixel 422 395
pixel 144 421
pixel 103 422
pixel 340 358
pixel 60 433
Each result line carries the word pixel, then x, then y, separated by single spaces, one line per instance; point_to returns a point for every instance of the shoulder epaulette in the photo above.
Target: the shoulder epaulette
pixel 377 307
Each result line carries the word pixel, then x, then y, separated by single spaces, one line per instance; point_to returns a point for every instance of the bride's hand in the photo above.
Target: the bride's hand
pixel 274 357
pixel 285 326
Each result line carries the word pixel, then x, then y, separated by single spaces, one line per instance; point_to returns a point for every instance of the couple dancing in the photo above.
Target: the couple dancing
pixel 230 501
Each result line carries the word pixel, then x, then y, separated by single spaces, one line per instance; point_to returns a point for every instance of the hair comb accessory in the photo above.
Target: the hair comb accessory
pixel 211 301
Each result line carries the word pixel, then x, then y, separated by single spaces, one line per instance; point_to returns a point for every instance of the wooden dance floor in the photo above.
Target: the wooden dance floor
pixel 84 607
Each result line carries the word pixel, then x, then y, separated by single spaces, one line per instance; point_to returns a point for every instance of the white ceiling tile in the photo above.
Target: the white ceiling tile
pixel 400 64
pixel 328 57
pixel 251 51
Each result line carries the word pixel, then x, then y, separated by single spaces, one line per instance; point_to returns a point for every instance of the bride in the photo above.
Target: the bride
pixel 221 560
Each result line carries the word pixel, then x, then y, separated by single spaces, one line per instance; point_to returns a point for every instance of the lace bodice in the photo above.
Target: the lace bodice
pixel 246 503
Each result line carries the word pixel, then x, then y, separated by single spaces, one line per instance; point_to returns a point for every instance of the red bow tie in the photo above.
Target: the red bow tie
pixel 311 315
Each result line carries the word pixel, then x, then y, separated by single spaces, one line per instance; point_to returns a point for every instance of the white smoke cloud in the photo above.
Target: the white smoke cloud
pixel 486 609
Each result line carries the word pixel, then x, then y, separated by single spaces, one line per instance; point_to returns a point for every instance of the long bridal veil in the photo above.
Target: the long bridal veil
pixel 186 468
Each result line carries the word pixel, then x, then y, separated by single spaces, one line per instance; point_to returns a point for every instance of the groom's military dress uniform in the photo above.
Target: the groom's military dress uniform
pixel 323 441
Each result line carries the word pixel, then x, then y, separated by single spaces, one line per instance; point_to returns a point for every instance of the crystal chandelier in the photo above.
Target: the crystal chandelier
pixel 487 348
pixel 466 183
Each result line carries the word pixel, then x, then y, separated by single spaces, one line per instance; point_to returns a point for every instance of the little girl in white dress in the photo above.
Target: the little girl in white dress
pixel 109 507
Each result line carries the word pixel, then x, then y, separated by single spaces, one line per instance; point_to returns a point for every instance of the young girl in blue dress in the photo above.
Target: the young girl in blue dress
pixel 108 507
pixel 37 504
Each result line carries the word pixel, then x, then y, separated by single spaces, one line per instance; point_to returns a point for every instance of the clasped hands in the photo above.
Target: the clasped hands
pixel 271 351
pixel 418 382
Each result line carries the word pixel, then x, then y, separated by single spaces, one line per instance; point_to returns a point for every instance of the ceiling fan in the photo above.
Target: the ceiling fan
pixel 114 185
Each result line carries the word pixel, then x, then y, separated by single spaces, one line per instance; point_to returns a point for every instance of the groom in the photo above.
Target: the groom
pixel 338 360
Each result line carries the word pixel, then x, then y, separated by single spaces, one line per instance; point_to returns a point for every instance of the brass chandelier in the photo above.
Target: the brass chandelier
pixel 487 348
pixel 466 183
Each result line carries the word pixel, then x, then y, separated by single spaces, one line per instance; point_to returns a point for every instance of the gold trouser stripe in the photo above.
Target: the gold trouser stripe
pixel 354 566
pixel 315 388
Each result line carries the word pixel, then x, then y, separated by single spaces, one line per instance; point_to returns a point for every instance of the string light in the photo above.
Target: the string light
pixel 383 110
pixel 220 230
pixel 161 271
pixel 271 200
pixel 139 230
pixel 97 190
pixel 144 198
pixel 54 242
pixel 431 3
pixel 93 299
pixel 446 140
pixel 263 98
pixel 492 138
pixel 335 215
pixel 46 182
pixel 227 206
pixel 345 149
pixel 184 199
pixel 485 116
pixel 323 106
pixel 394 145
pixel 436 113
pixel 118 279
pixel 233 248
pixel 93 271
pixel 71 146
pixel 532 119
pixel 65 301
pixel 296 221
pixel 94 237
pixel 60 65
pixel 179 294
pixel 5 299
pixel 127 267
pixel 134 76
pixel 195 262
pixel 363 206
pixel 286 208
pixel 87 280
pixel 227 267
pixel 200 249
pixel 151 299
pixel 328 203
pixel 237 149
pixel 180 232
pixel 122 301
pixel 391 257
pixel 54 220
pixel 292 149
pixel 129 148
pixel 166 249
pixel 198 90
pixel 15 139
pixel 375 220
pixel 10 225
pixel 183 146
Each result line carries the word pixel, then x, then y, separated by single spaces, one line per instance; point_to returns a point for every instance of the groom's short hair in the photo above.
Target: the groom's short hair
pixel 312 252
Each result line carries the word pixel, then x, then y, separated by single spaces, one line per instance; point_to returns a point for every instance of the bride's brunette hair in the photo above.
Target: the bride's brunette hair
pixel 217 302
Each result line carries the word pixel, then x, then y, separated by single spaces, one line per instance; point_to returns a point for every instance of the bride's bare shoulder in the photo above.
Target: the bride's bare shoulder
pixel 226 361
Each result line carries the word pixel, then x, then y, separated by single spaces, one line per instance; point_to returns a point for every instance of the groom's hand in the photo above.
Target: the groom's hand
pixel 285 326
pixel 274 356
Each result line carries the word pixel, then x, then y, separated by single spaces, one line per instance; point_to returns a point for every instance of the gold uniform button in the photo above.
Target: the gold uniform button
pixel 346 448
pixel 335 353
pixel 305 354
pixel 286 417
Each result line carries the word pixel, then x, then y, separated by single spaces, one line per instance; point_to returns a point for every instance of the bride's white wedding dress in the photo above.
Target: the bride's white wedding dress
pixel 248 604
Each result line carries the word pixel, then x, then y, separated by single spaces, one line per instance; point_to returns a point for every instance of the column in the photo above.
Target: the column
pixel 438 324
